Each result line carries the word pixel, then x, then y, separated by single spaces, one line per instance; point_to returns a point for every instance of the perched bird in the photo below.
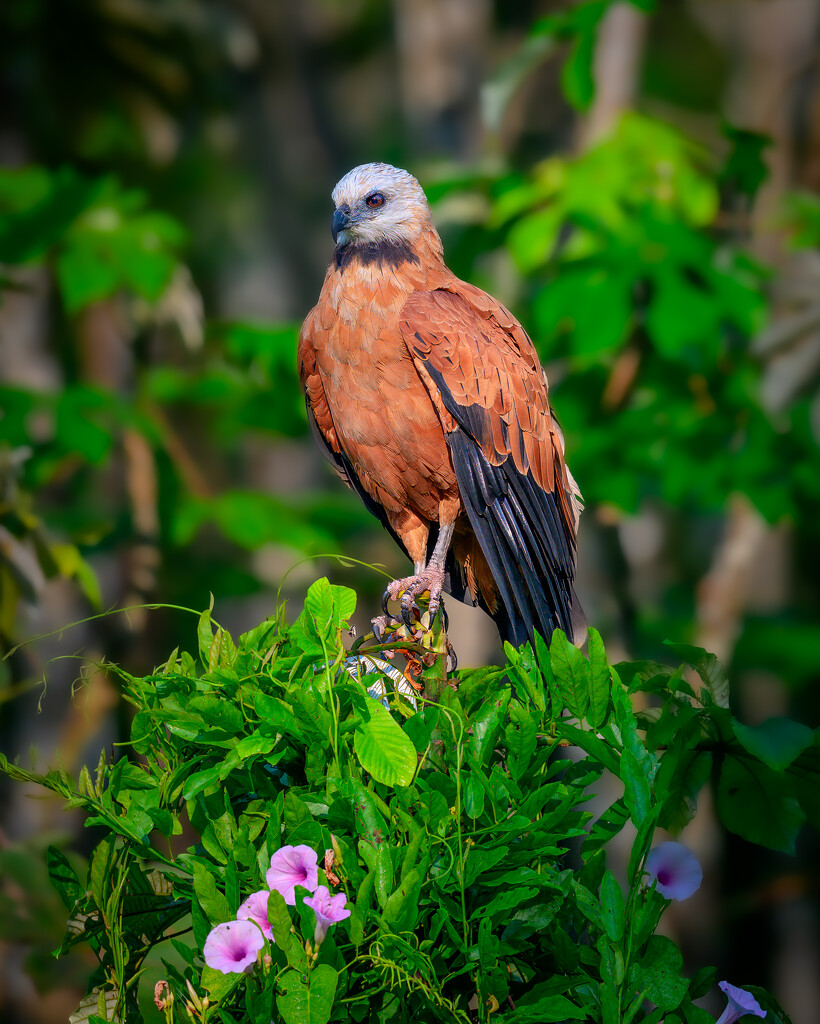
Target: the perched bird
pixel 427 396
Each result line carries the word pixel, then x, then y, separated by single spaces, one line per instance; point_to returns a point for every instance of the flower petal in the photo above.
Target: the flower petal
pixel 291 866
pixel 255 908
pixel 741 1003
pixel 675 869
pixel 232 946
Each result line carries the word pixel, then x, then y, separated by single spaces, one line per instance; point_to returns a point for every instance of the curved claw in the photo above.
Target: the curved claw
pixel 377 631
pixel 406 613
pixel 451 653
pixel 385 600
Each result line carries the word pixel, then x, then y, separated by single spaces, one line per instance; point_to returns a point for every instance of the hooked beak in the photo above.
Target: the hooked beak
pixel 340 222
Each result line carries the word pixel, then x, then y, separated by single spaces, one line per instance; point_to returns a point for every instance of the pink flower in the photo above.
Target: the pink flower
pixel 232 946
pixel 292 866
pixel 741 1002
pixel 255 908
pixel 676 870
pixel 328 909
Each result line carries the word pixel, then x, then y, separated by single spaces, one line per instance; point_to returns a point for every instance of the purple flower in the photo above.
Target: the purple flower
pixel 741 1002
pixel 255 908
pixel 231 947
pixel 292 866
pixel 676 870
pixel 328 909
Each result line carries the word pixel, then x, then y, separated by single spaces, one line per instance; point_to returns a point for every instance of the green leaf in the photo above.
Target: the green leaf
pixel 319 606
pixel 63 877
pixel 47 204
pixel 600 681
pixel 520 737
pixel 401 910
pixel 588 904
pixel 381 865
pixel 486 727
pixel 210 900
pixel 116 244
pixel 804 774
pixel 72 565
pixel 572 673
pixel 745 169
pixel 671 332
pixel 509 900
pixel 530 1009
pixel 101 870
pixel 612 907
pixel 279 919
pixel 85 278
pixel 576 75
pixel 660 973
pixel 327 609
pixel 681 776
pixel 708 668
pixel 216 648
pixel 756 802
pixel 219 985
pixel 205 634
pixel 420 727
pixel 777 741
pixel 367 819
pixel 384 750
pixel 311 1003
pixel 637 794
pixel 199 781
pixel 276 714
pixel 472 796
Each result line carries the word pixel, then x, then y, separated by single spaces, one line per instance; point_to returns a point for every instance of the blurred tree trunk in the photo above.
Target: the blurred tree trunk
pixel 770 44
pixel 773 44
pixel 616 70
pixel 442 45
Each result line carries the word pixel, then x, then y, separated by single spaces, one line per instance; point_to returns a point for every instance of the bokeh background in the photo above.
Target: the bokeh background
pixel 637 181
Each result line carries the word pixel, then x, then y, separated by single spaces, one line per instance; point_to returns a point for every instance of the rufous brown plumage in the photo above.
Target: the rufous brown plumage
pixel 427 396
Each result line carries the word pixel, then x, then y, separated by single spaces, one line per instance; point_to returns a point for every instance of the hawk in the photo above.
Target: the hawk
pixel 427 396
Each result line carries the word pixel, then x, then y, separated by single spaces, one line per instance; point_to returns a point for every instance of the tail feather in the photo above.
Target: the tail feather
pixel 526 541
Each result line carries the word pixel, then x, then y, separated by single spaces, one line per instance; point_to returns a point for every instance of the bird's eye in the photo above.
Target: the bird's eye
pixel 375 200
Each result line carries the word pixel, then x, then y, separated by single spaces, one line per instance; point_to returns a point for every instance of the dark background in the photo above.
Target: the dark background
pixel 638 185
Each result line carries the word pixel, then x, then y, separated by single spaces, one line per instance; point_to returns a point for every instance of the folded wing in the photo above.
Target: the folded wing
pixel 484 377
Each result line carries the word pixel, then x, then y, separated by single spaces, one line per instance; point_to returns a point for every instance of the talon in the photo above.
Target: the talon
pixel 380 625
pixel 406 614
pixel 445 618
pixel 451 654
pixel 386 598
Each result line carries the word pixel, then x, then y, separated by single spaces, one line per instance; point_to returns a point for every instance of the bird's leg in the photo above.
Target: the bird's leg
pixel 426 578
pixel 387 622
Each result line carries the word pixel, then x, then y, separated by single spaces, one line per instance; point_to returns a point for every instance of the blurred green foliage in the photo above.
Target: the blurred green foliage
pixel 579 24
pixel 99 237
pixel 102 243
pixel 648 313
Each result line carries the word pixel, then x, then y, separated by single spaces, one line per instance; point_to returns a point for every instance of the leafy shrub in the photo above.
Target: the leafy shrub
pixel 475 879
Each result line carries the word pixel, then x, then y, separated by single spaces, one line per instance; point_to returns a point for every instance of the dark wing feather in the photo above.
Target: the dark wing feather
pixel 506 451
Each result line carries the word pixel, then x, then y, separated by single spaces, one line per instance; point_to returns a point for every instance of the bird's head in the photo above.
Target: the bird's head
pixel 378 203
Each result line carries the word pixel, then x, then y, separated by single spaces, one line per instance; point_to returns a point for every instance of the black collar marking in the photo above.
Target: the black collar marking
pixel 386 253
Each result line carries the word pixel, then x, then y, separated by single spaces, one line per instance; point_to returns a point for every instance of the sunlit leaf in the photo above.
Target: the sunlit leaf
pixel 384 749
